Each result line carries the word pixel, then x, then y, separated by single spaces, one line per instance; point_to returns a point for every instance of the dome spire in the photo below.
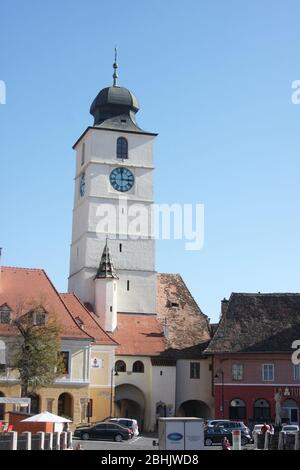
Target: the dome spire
pixel 115 66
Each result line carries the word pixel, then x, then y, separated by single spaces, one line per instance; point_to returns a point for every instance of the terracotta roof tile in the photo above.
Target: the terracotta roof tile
pixel 89 323
pixel 20 287
pixel 139 335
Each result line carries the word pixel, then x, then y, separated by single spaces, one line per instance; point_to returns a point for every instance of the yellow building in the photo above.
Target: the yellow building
pixel 84 391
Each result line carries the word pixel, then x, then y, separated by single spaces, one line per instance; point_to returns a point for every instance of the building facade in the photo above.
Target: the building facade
pixel 255 378
pixel 82 340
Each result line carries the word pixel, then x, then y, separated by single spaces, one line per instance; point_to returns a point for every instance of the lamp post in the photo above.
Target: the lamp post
pixel 113 370
pixel 221 372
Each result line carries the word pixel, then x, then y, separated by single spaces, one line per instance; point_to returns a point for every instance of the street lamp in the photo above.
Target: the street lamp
pixel 113 373
pixel 221 372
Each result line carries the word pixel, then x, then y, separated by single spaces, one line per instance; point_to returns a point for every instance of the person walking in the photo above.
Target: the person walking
pixel 226 444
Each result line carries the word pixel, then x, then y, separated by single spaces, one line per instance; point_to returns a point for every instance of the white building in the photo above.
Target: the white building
pixel 112 270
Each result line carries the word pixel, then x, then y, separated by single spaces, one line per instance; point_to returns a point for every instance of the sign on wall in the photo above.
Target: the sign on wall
pixel 96 362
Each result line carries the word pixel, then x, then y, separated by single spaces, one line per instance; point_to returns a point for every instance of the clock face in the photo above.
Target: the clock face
pixel 121 179
pixel 82 184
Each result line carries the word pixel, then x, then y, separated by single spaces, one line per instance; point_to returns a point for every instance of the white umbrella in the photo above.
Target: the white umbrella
pixel 46 417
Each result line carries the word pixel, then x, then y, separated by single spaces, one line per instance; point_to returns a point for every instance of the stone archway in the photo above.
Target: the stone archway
pixel 130 403
pixel 34 404
pixel 194 408
pixel 65 405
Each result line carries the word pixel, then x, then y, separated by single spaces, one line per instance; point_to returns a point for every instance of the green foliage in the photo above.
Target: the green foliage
pixel 37 355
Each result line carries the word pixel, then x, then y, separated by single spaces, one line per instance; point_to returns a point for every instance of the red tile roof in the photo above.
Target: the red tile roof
pixel 139 335
pixel 21 287
pixel 89 323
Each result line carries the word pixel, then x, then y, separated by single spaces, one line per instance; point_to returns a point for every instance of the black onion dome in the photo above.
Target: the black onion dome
pixel 114 101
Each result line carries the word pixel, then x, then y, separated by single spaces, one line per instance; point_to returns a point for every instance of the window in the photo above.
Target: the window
pixel 5 314
pixel 82 184
pixel 83 153
pixel 296 371
pixel 120 247
pixel 120 366
pixel 268 372
pixel 39 318
pixel 65 361
pixel 195 370
pixel 261 410
pixel 237 409
pixel 122 148
pixel 237 371
pixel 138 366
pixel 128 285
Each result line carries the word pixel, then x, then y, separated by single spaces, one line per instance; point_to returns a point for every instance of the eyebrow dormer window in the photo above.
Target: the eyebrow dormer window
pixel 5 312
pixel 122 148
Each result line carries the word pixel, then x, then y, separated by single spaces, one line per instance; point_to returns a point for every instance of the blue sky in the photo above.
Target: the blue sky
pixel 213 79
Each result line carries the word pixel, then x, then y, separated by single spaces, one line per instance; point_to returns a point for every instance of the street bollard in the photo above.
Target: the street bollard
pixel 56 440
pixel 41 434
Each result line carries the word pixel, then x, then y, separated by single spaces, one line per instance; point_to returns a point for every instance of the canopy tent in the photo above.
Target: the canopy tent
pixel 46 417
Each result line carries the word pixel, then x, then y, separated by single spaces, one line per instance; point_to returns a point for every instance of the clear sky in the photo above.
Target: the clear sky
pixel 213 79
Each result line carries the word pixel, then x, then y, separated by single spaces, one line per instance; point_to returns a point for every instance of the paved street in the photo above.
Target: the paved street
pixel 137 443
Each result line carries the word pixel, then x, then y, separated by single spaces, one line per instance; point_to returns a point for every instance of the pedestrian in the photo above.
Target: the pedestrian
pixel 79 447
pixel 226 444
pixel 265 428
pixel 66 427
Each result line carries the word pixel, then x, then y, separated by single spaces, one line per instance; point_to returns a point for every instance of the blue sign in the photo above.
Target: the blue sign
pixel 175 436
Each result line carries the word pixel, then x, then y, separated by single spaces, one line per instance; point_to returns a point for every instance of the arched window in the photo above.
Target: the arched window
pixel 237 409
pixel 261 410
pixel 120 366
pixel 138 366
pixel 122 148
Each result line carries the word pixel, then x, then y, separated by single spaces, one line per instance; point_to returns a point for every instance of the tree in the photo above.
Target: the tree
pixel 37 348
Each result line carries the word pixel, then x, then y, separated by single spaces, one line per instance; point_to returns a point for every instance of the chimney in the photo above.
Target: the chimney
pixel 224 306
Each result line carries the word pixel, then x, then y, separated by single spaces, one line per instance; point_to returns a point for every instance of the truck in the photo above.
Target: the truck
pixel 181 433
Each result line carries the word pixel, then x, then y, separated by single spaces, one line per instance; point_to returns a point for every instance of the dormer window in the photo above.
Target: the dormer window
pixel 39 318
pixel 5 314
pixel 122 148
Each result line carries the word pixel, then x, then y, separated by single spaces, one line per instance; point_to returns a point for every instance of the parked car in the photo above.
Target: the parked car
pixel 128 423
pixel 290 428
pixel 216 434
pixel 105 431
pixel 215 422
pixel 233 425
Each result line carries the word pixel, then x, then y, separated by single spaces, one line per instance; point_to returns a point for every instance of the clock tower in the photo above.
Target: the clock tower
pixel 113 188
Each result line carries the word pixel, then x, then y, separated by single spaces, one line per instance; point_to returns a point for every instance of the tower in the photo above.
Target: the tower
pixel 113 182
pixel 106 292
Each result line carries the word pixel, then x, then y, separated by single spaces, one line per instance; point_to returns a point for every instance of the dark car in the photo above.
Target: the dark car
pixel 216 434
pixel 105 431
